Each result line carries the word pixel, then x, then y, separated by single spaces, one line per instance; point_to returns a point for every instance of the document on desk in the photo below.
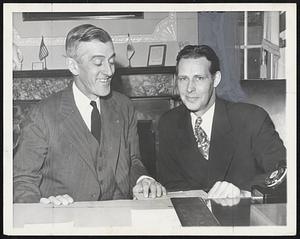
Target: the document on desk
pixel 162 217
pixel 165 218
pixel 43 226
pixel 186 194
pixel 177 194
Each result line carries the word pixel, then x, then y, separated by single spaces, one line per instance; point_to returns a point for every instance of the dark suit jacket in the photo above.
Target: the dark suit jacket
pixel 244 147
pixel 58 154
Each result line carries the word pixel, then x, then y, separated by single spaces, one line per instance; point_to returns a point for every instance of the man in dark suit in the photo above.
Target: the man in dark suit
pixel 209 143
pixel 81 144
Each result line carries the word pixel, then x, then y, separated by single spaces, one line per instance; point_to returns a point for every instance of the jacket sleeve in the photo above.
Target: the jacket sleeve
pixel 267 146
pixel 137 168
pixel 168 172
pixel 29 158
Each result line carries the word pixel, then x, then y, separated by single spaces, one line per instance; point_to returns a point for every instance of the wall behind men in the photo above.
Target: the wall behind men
pixel 186 27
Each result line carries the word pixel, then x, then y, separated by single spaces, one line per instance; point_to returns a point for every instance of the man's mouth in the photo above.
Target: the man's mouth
pixel 104 80
pixel 189 98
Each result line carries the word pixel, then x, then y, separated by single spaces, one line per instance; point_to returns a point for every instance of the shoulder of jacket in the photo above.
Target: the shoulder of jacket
pixel 173 113
pixel 120 98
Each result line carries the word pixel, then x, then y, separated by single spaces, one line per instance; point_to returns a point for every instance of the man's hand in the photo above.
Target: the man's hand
pixel 58 200
pixel 148 187
pixel 224 190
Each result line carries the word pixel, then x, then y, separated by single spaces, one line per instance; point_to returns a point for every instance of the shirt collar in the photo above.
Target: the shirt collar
pixel 81 100
pixel 207 116
pixel 207 120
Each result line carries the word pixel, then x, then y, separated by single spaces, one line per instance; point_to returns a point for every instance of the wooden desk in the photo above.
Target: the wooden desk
pixel 157 213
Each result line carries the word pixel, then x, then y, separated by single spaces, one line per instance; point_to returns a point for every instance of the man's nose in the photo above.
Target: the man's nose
pixel 191 85
pixel 108 69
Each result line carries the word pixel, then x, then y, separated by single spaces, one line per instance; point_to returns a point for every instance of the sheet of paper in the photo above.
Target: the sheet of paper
pixel 40 226
pixel 183 194
pixel 155 218
pixel 190 193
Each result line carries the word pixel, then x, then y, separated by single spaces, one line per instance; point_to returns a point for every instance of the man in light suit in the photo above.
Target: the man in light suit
pixel 209 143
pixel 81 144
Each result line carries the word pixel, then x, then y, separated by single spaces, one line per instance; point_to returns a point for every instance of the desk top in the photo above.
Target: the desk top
pixel 181 212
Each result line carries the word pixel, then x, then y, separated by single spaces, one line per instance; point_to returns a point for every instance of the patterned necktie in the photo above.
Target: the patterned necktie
pixel 201 139
pixel 95 121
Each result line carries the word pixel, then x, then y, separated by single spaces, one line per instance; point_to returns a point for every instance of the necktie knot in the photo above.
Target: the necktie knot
pixel 198 122
pixel 94 104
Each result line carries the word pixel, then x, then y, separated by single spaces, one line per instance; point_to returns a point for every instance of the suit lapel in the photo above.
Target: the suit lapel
pixel 75 129
pixel 222 144
pixel 111 130
pixel 186 136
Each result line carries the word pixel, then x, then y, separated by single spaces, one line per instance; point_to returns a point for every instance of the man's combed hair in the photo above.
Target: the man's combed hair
pixel 197 51
pixel 84 33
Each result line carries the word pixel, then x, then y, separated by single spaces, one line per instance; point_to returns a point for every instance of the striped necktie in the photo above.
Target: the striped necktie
pixel 201 139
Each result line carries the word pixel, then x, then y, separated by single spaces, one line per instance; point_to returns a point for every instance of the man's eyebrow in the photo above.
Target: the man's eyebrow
pixel 97 56
pixel 200 75
pixel 102 56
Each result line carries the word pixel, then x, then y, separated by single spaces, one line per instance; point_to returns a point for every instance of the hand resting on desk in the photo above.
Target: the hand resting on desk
pixel 226 190
pixel 148 188
pixel 145 188
pixel 58 200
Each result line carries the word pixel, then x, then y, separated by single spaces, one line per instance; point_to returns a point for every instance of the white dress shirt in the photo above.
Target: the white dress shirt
pixel 207 120
pixel 83 105
pixel 85 109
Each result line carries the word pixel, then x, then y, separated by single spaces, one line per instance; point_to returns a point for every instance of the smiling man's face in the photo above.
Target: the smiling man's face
pixel 95 68
pixel 196 84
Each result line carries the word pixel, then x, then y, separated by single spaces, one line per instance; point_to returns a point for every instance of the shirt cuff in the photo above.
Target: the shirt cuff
pixel 142 177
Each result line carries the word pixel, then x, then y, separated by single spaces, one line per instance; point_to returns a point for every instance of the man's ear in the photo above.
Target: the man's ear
pixel 72 66
pixel 217 78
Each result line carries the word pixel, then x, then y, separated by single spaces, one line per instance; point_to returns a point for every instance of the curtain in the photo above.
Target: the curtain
pixel 219 31
pixel 270 40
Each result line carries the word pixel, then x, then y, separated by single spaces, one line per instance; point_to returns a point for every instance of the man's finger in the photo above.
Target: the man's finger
pixel 68 198
pixel 45 201
pixel 234 192
pixel 54 200
pixel 138 188
pixel 164 191
pixel 235 201
pixel 221 192
pixel 158 190
pixel 145 188
pixel 62 200
pixel 152 190
pixel 212 191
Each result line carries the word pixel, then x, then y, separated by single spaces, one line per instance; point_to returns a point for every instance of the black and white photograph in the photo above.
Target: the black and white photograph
pixel 149 119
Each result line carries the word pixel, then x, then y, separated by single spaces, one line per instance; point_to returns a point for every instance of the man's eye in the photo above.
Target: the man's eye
pixel 182 78
pixel 98 62
pixel 199 78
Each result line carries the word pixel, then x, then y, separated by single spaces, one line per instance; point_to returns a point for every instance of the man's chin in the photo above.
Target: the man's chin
pixel 191 107
pixel 104 93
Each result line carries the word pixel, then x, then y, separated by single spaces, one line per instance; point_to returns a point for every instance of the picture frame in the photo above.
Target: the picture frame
pixel 62 16
pixel 157 55
pixel 37 66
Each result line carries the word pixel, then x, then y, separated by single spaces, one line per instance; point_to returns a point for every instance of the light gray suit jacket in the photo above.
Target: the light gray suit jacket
pixel 58 154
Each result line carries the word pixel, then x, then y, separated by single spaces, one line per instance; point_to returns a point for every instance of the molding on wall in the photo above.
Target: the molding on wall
pixel 119 71
pixel 164 31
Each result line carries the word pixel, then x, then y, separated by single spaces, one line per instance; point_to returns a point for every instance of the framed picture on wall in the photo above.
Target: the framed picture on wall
pixel 37 66
pixel 61 16
pixel 157 55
